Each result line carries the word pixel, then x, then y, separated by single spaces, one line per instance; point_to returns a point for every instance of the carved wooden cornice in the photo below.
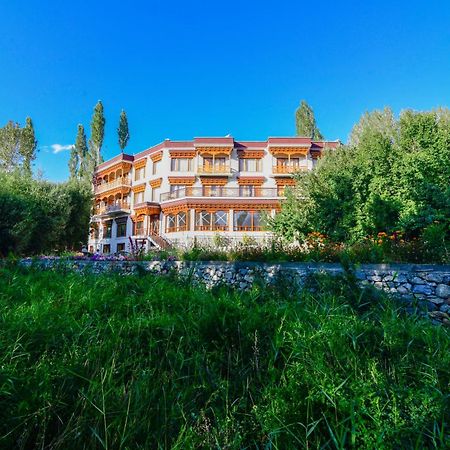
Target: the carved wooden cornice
pixel 141 163
pixel 251 154
pixel 276 151
pixel 182 153
pixel 124 165
pixel 253 181
pixel 288 181
pixel 188 181
pixel 214 181
pixel 139 188
pixel 155 157
pixel 155 183
pixel 215 150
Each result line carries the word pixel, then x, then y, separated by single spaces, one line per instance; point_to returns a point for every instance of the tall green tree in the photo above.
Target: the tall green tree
pixel 122 131
pixel 28 145
pixel 74 163
pixel 97 135
pixel 306 123
pixel 83 155
pixel 10 156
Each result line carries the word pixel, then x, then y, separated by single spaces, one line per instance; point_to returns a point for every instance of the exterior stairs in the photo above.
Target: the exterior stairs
pixel 160 242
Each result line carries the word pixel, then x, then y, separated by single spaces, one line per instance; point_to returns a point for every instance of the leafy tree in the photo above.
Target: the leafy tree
pixel 306 122
pixel 83 155
pixel 74 163
pixel 394 176
pixel 97 135
pixel 122 131
pixel 28 145
pixel 10 155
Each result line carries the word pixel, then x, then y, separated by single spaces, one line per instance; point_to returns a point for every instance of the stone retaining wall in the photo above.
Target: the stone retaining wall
pixel 427 284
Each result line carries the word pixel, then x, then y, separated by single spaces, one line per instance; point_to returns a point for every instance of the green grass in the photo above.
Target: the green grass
pixel 145 362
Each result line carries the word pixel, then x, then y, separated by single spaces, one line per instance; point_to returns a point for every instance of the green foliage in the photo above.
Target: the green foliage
pixel 39 216
pixel 17 147
pixel 93 361
pixel 122 131
pixel 394 176
pixel 97 135
pixel 80 162
pixel 305 122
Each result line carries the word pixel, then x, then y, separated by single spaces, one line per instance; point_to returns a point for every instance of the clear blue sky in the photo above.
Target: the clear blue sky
pixel 198 68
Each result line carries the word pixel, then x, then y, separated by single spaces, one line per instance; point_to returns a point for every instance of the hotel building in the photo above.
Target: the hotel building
pixel 180 191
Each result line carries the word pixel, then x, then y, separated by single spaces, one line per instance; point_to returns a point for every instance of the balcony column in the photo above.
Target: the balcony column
pixel 231 220
pixel 191 219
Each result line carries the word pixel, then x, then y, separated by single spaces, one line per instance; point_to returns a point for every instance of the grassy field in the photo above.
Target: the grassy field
pixel 145 362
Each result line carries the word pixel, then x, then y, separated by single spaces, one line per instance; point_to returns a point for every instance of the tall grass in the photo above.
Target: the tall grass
pixel 101 362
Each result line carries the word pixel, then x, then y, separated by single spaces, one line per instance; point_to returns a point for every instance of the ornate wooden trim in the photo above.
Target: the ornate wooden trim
pixel 280 181
pixel 217 181
pixel 155 157
pixel 124 165
pixel 124 190
pixel 155 183
pixel 147 211
pixel 141 163
pixel 140 188
pixel 215 150
pixel 182 153
pixel 275 151
pixel 315 154
pixel 188 181
pixel 251 154
pixel 253 181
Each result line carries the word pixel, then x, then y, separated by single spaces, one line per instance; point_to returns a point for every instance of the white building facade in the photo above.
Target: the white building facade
pixel 180 192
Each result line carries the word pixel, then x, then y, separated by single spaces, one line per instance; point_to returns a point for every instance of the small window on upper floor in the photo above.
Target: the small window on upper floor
pixel 138 197
pixel 155 167
pixel 181 165
pixel 139 174
pixel 250 165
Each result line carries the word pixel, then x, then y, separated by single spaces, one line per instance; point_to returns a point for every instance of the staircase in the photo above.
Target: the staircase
pixel 160 242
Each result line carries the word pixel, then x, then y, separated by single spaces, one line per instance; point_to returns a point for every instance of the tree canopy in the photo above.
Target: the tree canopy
pixel 122 131
pixel 306 123
pixel 393 176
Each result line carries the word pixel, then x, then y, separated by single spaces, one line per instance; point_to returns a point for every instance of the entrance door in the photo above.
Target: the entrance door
pixel 154 224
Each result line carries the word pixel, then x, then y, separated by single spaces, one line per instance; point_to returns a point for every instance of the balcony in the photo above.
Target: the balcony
pixel 118 207
pixel 220 192
pixel 119 182
pixel 216 169
pixel 287 169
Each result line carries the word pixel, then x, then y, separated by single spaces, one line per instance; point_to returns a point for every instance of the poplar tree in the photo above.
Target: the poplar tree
pixel 306 123
pixel 74 163
pixel 97 135
pixel 82 155
pixel 28 145
pixel 122 131
pixel 10 157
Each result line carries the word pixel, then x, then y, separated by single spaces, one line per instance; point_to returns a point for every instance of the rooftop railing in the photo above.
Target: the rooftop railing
pixel 220 192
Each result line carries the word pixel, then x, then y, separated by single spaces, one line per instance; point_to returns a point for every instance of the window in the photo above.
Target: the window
pixel 120 247
pixel 121 229
pixel 181 221
pixel 107 230
pixel 91 249
pixel 170 223
pixel 213 191
pixel 211 221
pixel 138 197
pixel 106 249
pixel 154 194
pixel 155 167
pixel 250 165
pixel 248 221
pixel 139 174
pixel 181 165
pixel 247 191
pixel 139 228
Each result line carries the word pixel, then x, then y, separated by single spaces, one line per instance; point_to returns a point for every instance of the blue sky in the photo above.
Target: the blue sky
pixel 197 68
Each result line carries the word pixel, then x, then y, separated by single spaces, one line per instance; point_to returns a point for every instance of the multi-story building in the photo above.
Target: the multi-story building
pixel 176 191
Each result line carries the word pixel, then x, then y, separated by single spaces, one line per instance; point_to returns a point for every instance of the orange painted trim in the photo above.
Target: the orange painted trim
pixel 251 154
pixel 182 153
pixel 289 150
pixel 215 150
pixel 189 181
pixel 140 188
pixel 214 181
pixel 141 163
pixel 155 183
pixel 124 165
pixel 155 157
pixel 285 181
pixel 253 181
pixel 119 190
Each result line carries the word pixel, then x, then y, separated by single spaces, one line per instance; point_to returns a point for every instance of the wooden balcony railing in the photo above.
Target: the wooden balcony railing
pixel 283 169
pixel 249 228
pixel 113 207
pixel 122 181
pixel 217 169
